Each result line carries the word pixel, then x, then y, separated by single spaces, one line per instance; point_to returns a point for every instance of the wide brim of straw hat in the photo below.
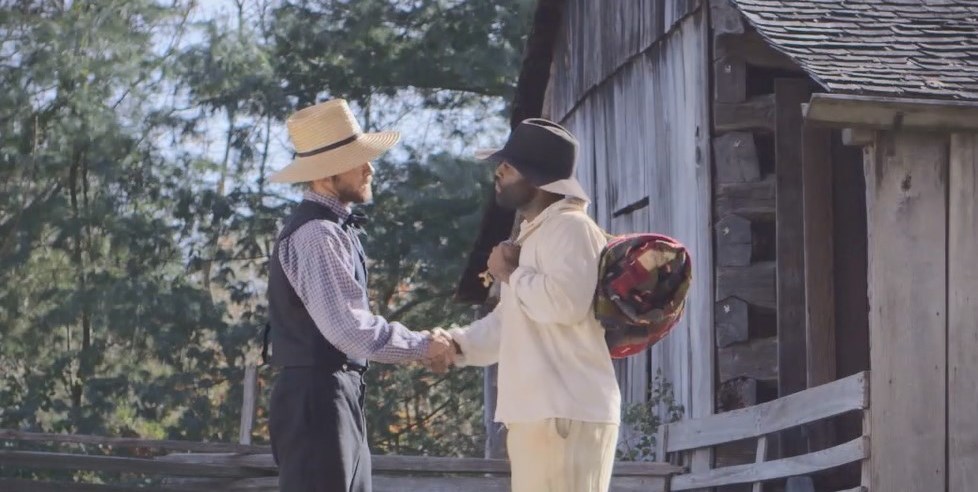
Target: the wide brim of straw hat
pixel 367 147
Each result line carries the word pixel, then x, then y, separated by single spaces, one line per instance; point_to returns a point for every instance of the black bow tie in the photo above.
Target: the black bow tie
pixel 356 221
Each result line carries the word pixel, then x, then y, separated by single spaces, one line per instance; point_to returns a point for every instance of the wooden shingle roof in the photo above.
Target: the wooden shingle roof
pixel 898 48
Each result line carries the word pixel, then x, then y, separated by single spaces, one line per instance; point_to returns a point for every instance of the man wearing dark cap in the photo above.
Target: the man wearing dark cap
pixel 558 395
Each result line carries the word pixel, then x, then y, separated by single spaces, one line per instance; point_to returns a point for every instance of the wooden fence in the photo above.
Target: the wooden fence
pixel 200 466
pixel 846 395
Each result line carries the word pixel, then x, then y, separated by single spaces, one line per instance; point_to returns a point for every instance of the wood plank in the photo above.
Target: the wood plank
pixel 754 284
pixel 730 80
pixel 248 404
pixel 906 183
pixel 737 322
pixel 130 442
pixel 755 114
pixel 822 402
pixel 68 461
pixel 21 485
pixel 761 458
pixel 736 158
pixel 412 464
pixel 891 113
pixel 827 459
pixel 440 484
pixel 380 463
pixel 962 337
pixel 694 147
pixel 789 94
pixel 749 200
pixel 399 483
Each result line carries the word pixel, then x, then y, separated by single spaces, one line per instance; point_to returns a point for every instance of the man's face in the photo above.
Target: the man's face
pixel 354 186
pixel 513 191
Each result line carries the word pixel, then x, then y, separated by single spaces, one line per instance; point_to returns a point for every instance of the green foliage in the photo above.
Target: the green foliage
pixel 641 421
pixel 136 220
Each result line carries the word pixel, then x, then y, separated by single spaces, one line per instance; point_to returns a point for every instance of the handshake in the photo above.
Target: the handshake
pixel 442 351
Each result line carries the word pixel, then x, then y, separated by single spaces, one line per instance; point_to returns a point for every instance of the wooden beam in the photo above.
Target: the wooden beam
pixel 906 186
pixel 737 321
pixel 383 483
pixel 729 80
pixel 754 50
pixel 741 241
pixel 851 288
pixel 734 241
pixel 858 137
pixel 850 262
pixel 819 263
pixel 754 284
pixel 744 392
pixel 892 113
pixel 70 461
pixel 735 156
pixel 756 359
pixel 828 459
pixel 248 403
pixel 962 340
pixel 725 18
pixel 411 464
pixel 755 114
pixel 749 200
pixel 789 94
pixel 761 458
pixel 21 485
pixel 131 442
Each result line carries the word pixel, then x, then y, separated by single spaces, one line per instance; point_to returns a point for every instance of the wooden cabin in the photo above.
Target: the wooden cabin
pixel 818 159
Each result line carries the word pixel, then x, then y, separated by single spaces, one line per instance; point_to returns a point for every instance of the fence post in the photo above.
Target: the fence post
pixel 248 403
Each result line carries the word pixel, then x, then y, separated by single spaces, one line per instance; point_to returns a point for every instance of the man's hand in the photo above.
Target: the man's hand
pixel 441 351
pixel 503 260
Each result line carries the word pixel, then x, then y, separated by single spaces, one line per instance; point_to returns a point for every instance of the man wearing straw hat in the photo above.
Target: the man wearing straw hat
pixel 322 331
pixel 557 392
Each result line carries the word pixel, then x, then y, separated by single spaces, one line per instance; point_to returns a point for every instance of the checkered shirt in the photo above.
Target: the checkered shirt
pixel 318 259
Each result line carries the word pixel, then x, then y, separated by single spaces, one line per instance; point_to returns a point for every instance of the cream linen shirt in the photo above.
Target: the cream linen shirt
pixel 553 360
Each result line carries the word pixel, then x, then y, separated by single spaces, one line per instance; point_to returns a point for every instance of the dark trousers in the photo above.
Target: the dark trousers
pixel 318 431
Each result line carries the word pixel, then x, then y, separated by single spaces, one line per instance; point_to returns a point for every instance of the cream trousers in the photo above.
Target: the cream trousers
pixel 561 455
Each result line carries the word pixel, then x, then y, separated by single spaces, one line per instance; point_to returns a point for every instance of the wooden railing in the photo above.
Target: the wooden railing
pixel 199 466
pixel 846 395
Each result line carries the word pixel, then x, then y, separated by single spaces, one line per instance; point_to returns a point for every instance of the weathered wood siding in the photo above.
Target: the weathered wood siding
pixel 630 80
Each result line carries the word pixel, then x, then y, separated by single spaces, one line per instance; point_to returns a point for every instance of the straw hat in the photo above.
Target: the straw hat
pixel 328 141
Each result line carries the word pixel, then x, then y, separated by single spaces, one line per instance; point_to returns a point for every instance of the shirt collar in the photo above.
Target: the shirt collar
pixel 558 207
pixel 334 204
